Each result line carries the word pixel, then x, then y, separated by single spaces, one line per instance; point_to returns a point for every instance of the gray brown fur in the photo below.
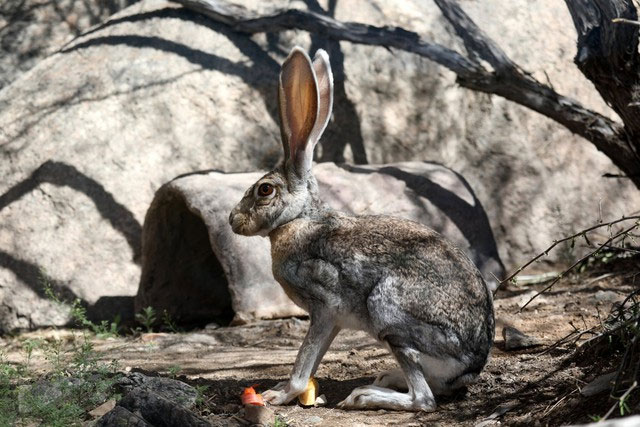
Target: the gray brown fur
pixel 400 281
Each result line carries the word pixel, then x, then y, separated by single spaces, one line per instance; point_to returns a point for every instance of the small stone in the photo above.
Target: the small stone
pixel 313 420
pixel 212 326
pixel 606 296
pixel 103 409
pixel 516 340
pixel 203 339
pixel 321 400
pixel 259 415
pixel 598 385
pixel 153 336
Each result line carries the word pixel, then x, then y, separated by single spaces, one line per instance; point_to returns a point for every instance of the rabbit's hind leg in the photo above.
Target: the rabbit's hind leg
pixel 393 378
pixel 443 374
pixel 418 397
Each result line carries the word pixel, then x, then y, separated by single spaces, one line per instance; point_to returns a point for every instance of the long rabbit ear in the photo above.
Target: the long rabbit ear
pixel 298 102
pixel 324 77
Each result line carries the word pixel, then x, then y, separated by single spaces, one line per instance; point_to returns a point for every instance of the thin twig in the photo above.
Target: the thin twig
pixel 624 396
pixel 580 261
pixel 615 248
pixel 576 335
pixel 573 236
pixel 625 21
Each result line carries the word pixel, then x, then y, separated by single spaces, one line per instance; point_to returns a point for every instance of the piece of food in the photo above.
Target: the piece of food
pixel 250 397
pixel 308 396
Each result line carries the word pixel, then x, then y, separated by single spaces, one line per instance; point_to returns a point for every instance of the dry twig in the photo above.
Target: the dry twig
pixel 582 259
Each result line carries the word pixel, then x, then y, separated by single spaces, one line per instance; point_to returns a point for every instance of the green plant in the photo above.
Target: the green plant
pixel 78 312
pixel 147 318
pixel 279 422
pixel 174 370
pixel 29 346
pixel 78 381
pixel 104 329
pixel 169 323
pixel 200 393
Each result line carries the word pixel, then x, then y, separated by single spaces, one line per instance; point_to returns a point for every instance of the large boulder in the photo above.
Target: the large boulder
pixel 196 269
pixel 90 133
pixel 32 29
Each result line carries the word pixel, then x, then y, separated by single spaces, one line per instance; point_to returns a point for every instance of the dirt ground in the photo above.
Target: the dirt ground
pixel 531 387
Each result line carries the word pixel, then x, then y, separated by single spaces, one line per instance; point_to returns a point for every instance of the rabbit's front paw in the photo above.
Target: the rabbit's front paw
pixel 275 397
pixel 278 395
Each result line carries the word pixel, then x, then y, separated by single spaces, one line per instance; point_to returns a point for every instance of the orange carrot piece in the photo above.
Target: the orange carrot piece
pixel 250 397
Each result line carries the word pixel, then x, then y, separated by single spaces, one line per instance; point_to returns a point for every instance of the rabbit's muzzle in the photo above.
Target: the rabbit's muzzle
pixel 238 221
pixel 247 223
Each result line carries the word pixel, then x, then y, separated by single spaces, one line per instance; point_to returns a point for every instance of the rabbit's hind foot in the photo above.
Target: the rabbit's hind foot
pixel 374 397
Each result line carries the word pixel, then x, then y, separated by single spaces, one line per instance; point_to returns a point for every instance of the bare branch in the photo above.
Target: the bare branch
pixel 506 79
pixel 475 40
pixel 574 236
pixel 246 21
pixel 608 56
pixel 584 258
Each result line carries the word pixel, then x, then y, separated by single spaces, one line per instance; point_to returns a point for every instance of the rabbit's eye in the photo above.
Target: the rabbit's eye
pixel 265 190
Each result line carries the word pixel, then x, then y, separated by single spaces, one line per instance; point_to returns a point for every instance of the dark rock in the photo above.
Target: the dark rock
pixel 179 393
pixel 598 385
pixel 121 417
pixel 516 340
pixel 160 411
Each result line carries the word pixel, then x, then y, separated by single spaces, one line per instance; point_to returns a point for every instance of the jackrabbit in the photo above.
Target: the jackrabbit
pixel 396 279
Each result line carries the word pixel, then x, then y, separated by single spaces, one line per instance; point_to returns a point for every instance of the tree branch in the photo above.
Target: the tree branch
pixel 506 79
pixel 245 21
pixel 475 40
pixel 608 56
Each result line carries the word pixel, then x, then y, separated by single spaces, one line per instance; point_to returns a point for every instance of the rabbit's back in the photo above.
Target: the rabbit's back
pixel 393 277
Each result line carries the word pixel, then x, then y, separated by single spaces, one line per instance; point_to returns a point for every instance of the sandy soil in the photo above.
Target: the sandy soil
pixel 530 387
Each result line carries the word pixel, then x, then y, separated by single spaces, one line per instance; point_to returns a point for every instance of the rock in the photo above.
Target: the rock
pixel 176 391
pixel 598 385
pixel 199 339
pixel 260 415
pixel 231 273
pixel 321 400
pixel 516 340
pixel 33 30
pixel 313 420
pixel 120 416
pixel 502 409
pixel 607 296
pixel 91 132
pixel 158 410
pixel 103 409
pixel 154 336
